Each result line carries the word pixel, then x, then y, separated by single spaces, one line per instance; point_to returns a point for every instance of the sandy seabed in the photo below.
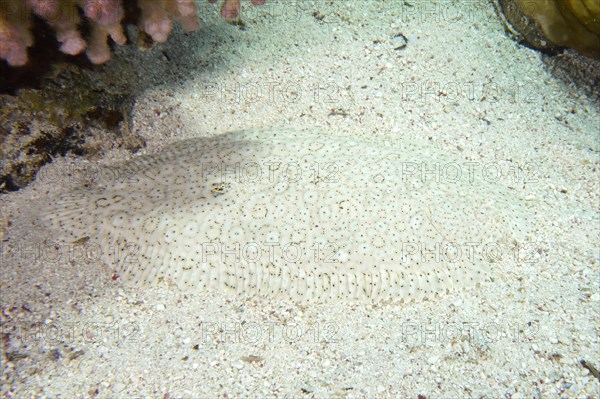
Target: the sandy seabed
pixel 71 330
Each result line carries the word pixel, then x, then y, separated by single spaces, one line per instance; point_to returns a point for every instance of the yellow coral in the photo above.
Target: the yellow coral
pixel 568 23
pixel 588 13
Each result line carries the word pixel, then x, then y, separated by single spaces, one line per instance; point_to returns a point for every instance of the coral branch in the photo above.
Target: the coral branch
pixel 14 33
pixel 63 17
pixel 104 18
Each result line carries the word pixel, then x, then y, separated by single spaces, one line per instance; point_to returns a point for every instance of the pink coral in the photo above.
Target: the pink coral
pixel 104 17
pixel 231 8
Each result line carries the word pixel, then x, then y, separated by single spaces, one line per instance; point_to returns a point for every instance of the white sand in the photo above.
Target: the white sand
pixel 334 65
